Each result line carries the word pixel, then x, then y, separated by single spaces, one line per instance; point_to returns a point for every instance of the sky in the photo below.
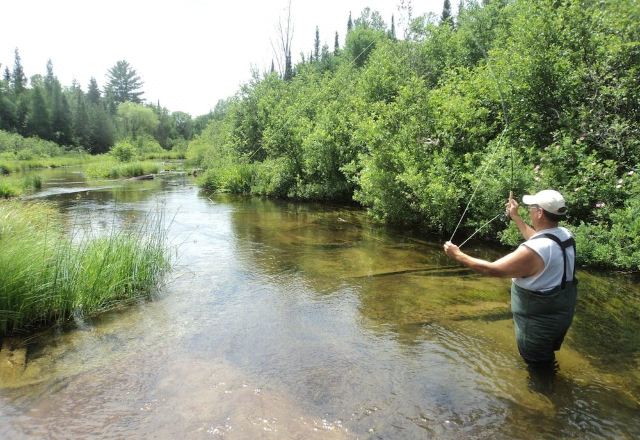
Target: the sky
pixel 189 53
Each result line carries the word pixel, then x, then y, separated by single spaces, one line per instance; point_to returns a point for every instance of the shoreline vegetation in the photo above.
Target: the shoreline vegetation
pixel 46 278
pixel 539 93
pixel 128 158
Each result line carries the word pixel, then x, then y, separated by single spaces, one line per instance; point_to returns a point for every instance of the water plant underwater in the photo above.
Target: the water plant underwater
pixel 47 277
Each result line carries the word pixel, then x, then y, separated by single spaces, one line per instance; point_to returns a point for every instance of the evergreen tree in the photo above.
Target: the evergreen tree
pixel 7 107
pixel 336 45
pixel 49 78
pixel 124 84
pixel 7 75
pixel 18 76
pixel 273 67
pixel 392 31
pixel 446 12
pixel 349 23
pixel 288 70
pixel 93 92
pixel 60 117
pixel 22 111
pixel 81 129
pixel 38 117
pixel 316 45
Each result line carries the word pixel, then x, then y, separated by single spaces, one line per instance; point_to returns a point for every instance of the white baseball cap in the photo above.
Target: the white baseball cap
pixel 549 200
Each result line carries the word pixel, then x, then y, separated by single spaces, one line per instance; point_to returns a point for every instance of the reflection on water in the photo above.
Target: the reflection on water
pixel 287 320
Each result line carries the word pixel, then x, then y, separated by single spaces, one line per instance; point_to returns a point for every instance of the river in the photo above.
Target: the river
pixel 300 321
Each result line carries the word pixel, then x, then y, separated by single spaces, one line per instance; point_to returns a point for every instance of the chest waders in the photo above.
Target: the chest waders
pixel 541 320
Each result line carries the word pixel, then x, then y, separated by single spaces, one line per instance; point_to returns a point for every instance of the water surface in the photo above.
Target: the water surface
pixel 289 320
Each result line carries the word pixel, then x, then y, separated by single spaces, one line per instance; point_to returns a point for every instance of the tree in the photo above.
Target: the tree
pixel 7 107
pixel 135 120
pixel 361 42
pixel 349 23
pixel 392 31
pixel 123 84
pixel 101 130
pixel 336 45
pixel 93 92
pixel 183 124
pixel 18 76
pixel 282 49
pixel 38 118
pixel 7 74
pixel 49 78
pixel 446 12
pixel 316 45
pixel 371 19
pixel 81 127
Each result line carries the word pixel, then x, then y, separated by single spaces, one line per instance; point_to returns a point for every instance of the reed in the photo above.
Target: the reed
pixel 46 278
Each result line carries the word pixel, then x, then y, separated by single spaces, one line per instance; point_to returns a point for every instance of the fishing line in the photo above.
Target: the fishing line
pixel 484 170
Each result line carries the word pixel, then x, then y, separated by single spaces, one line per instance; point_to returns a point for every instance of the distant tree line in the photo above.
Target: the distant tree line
pixel 91 120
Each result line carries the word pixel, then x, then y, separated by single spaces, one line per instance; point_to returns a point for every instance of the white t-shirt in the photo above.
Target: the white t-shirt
pixel 551 254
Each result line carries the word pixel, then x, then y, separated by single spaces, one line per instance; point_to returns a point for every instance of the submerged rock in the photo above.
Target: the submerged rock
pixel 13 359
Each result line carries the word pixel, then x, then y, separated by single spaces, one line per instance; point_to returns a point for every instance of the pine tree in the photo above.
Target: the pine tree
pixel 81 129
pixel 18 76
pixel 38 117
pixel 336 45
pixel 288 70
pixel 273 67
pixel 392 32
pixel 349 23
pixel 446 12
pixel 316 45
pixel 49 78
pixel 93 92
pixel 123 84
pixel 7 75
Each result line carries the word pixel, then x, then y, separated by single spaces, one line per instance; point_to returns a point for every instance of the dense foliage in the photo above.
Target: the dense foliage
pixel 515 95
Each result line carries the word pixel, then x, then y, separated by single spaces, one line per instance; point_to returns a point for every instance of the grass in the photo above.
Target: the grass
pixel 12 186
pixel 111 169
pixel 166 154
pixel 46 278
pixel 9 163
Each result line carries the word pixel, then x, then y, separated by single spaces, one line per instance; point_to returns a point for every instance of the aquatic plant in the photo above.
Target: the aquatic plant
pixel 45 277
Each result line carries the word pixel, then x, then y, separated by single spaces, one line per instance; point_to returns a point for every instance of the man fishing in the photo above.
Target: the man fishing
pixel 543 289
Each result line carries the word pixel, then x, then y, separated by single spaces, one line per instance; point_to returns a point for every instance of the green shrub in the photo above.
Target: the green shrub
pixel 124 151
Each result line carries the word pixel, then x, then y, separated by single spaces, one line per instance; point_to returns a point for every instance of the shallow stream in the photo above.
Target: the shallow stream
pixel 288 320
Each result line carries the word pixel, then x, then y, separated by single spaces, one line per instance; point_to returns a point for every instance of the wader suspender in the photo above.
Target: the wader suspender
pixel 563 246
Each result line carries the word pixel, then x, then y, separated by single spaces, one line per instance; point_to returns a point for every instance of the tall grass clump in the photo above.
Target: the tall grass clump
pixel 46 278
pixel 13 186
pixel 110 169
